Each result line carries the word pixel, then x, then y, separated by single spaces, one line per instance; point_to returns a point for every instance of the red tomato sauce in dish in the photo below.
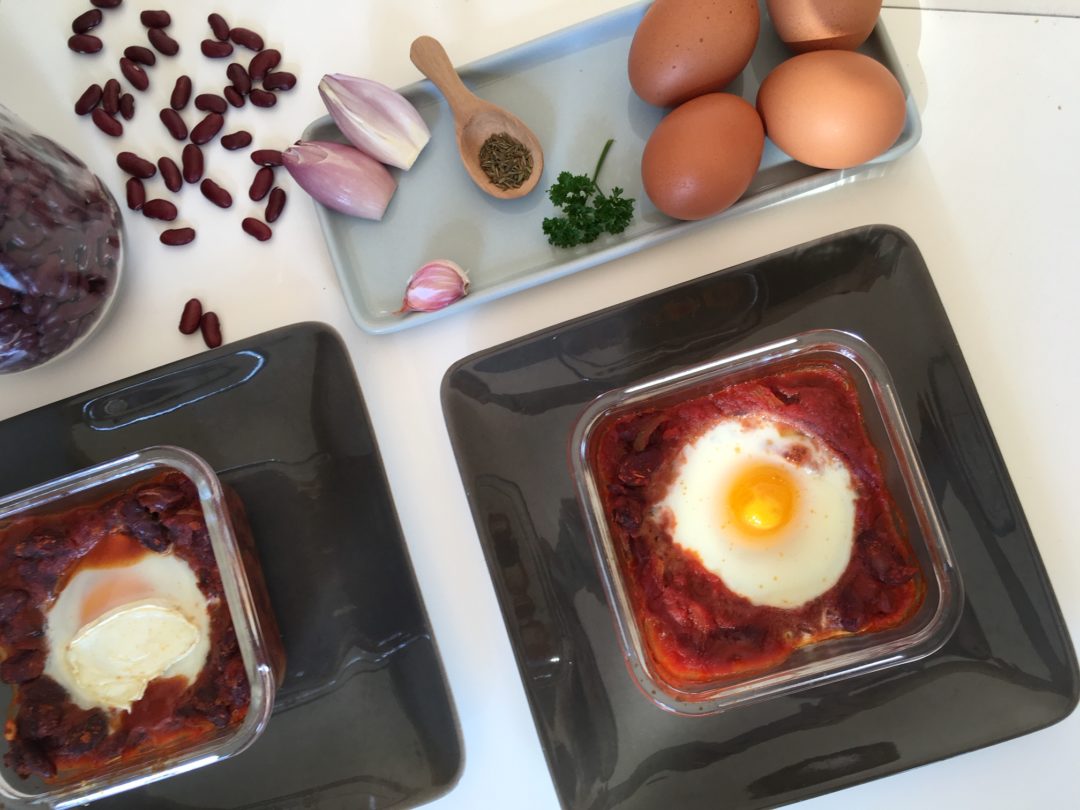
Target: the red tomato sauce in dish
pixel 48 733
pixel 695 629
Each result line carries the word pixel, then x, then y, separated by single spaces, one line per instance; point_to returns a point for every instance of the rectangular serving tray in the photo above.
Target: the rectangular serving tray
pixel 571 88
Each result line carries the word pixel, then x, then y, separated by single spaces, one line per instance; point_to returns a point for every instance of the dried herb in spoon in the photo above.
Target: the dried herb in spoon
pixel 587 211
pixel 506 161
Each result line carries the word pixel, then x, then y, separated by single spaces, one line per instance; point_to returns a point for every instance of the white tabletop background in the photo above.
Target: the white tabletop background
pixel 991 195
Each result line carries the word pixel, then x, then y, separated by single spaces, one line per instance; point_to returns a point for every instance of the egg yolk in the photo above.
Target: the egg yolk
pixel 762 499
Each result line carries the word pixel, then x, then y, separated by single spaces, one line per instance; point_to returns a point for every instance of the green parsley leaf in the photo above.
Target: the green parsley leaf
pixel 587 211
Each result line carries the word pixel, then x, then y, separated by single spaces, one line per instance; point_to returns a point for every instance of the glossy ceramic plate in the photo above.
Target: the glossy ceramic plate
pixel 364 717
pixel 571 88
pixel 607 745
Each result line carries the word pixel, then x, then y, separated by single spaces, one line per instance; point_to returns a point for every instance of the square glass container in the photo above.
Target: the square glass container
pixel 246 597
pixel 815 664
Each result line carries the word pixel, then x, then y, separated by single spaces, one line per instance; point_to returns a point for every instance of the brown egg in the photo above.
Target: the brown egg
pixel 832 109
pixel 684 48
pixel 702 156
pixel 817 25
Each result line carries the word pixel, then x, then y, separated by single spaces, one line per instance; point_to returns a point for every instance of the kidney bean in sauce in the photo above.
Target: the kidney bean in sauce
pixel 174 123
pixel 281 80
pixel 192 161
pixel 106 123
pixel 174 237
pixel 84 43
pixel 163 42
pixel 214 49
pixel 205 130
pixel 135 165
pixel 140 54
pixel 89 99
pixel 155 19
pixel 210 327
pixel 275 205
pixel 264 179
pixel 134 74
pixel 262 63
pixel 266 157
pixel 127 106
pixel 191 316
pixel 110 97
pixel 159 209
pixel 218 26
pixel 246 37
pixel 181 93
pixel 236 140
pixel 170 173
pixel 136 193
pixel 209 102
pixel 262 98
pixel 87 21
pixel 215 193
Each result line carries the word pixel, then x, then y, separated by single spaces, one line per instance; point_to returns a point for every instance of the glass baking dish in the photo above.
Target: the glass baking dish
pixel 826 661
pixel 245 594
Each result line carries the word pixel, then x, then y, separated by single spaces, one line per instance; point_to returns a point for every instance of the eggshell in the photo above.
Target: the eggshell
pixel 685 48
pixel 815 25
pixel 832 109
pixel 702 156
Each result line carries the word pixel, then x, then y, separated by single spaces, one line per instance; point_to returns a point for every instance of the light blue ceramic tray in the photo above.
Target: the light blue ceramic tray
pixel 571 88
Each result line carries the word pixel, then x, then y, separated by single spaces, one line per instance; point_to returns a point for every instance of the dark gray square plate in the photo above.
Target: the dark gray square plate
pixel 1008 669
pixel 364 717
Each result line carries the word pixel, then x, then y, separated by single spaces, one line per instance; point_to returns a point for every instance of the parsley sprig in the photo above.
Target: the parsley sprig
pixel 587 211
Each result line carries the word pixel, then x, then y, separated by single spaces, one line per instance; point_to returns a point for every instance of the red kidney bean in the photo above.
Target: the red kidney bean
pixel 134 74
pixel 192 160
pixel 84 43
pixel 275 205
pixel 214 49
pixel 262 98
pixel 215 193
pixel 262 63
pixel 266 157
pixel 106 123
pixel 210 327
pixel 136 193
pixel 155 19
pixel 159 209
pixel 137 53
pixel 205 130
pixel 236 140
pixel 210 102
pixel 87 21
pixel 163 42
pixel 177 236
pixel 247 38
pixel 190 317
pixel 264 179
pixel 89 99
pixel 135 165
pixel 110 97
pixel 282 80
pixel 127 106
pixel 170 173
pixel 218 26
pixel 174 123
pixel 238 75
pixel 181 93
pixel 257 228
pixel 234 96
pixel 106 3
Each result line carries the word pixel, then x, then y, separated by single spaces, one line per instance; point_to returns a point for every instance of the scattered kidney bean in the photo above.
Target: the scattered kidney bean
pixel 205 130
pixel 192 160
pixel 210 327
pixel 181 93
pixel 215 193
pixel 238 75
pixel 170 173
pixel 87 21
pixel 275 205
pixel 89 99
pixel 257 228
pixel 264 179
pixel 84 43
pixel 106 123
pixel 135 165
pixel 110 97
pixel 281 80
pixel 215 49
pixel 127 106
pixel 174 123
pixel 136 193
pixel 159 209
pixel 262 98
pixel 106 3
pixel 218 26
pixel 191 316
pixel 210 102
pixel 234 96
pixel 137 53
pixel 262 63
pixel 266 157
pixel 163 42
pixel 155 19
pixel 246 37
pixel 177 236
pixel 236 140
pixel 134 74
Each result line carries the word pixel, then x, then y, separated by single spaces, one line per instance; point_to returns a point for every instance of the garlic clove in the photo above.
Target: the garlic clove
pixel 435 285
pixel 375 119
pixel 341 177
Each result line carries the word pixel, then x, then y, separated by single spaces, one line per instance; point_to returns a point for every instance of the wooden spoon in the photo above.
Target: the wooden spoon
pixel 475 120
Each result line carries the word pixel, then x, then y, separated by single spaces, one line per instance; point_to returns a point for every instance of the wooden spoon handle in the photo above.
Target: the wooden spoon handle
pixel 430 58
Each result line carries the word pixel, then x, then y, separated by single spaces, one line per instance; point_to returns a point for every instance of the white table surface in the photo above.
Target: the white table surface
pixel 991 195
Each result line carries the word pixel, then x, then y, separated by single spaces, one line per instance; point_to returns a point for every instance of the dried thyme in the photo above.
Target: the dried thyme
pixel 506 161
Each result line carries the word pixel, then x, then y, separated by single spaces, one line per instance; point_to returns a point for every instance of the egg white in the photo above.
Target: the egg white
pixel 793 564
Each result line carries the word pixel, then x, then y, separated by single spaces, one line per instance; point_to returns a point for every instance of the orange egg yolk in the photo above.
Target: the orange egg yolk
pixel 762 499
